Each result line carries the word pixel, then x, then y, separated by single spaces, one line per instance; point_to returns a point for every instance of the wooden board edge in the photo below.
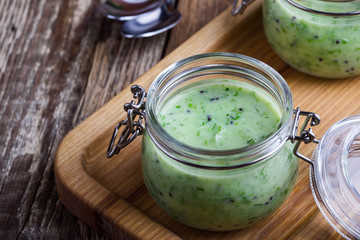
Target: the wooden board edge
pixel 97 206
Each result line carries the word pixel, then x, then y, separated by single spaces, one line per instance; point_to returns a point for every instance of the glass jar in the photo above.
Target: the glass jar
pixel 317 37
pixel 215 187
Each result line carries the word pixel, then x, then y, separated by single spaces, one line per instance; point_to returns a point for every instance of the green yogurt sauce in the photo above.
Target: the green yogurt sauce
pixel 219 115
pixel 320 45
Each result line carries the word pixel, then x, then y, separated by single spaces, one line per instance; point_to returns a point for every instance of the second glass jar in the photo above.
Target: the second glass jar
pixel 317 37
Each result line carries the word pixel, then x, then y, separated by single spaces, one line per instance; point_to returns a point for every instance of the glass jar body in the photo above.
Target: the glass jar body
pixel 218 200
pixel 325 44
pixel 219 187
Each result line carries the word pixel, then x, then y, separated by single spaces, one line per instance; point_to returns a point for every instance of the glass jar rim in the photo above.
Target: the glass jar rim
pixel 204 158
pixel 326 13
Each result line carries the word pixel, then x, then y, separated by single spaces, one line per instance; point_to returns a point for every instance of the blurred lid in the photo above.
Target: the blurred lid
pixel 335 177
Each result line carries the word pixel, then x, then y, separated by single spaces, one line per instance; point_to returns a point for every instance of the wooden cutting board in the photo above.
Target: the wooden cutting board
pixel 109 194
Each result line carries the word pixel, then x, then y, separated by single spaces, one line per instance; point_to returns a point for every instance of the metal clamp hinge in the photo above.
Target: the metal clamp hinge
pixel 133 127
pixel 306 136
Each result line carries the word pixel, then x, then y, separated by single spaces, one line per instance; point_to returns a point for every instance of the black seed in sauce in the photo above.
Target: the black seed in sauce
pixel 320 59
pixel 202 91
pixel 337 41
pixel 208 117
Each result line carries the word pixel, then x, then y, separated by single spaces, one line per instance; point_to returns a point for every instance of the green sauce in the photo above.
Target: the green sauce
pixel 219 115
pixel 320 45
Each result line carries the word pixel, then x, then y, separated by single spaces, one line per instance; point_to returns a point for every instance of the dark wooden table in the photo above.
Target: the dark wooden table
pixel 59 62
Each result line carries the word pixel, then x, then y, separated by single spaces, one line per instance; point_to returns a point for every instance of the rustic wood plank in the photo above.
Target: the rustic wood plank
pixel 59 62
pixel 198 13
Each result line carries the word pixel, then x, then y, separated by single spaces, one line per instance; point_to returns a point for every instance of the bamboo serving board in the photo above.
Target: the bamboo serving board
pixel 109 194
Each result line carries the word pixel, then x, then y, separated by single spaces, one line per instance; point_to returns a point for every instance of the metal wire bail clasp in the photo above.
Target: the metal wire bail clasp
pixel 306 136
pixel 132 128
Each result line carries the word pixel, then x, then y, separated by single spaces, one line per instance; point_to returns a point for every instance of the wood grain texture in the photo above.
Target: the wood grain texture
pixel 60 61
pixel 109 193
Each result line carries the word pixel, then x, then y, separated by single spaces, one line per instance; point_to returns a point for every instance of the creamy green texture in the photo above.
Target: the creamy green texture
pixel 219 116
pixel 213 115
pixel 320 45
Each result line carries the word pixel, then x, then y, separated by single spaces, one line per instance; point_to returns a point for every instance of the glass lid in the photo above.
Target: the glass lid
pixel 335 176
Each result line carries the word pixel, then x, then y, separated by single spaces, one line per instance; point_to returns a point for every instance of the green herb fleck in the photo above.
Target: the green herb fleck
pixel 262 172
